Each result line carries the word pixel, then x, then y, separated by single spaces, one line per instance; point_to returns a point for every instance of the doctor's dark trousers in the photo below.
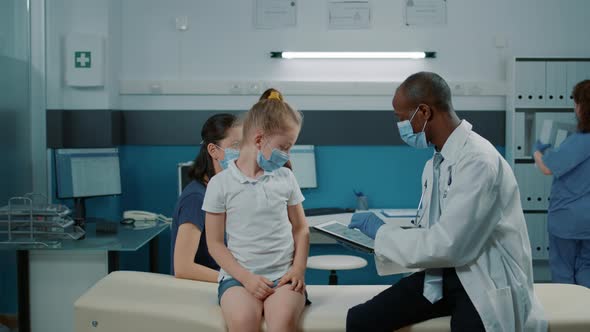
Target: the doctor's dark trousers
pixel 403 304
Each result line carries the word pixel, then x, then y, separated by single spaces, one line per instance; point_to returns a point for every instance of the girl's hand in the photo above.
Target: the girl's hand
pixel 296 277
pixel 259 286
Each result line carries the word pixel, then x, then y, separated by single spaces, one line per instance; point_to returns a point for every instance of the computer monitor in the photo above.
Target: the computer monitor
pixel 183 179
pixel 83 173
pixel 302 160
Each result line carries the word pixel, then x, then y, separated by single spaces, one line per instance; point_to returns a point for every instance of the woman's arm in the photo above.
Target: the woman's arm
pixel 539 161
pixel 185 249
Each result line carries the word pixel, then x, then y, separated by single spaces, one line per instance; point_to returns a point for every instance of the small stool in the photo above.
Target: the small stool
pixel 335 262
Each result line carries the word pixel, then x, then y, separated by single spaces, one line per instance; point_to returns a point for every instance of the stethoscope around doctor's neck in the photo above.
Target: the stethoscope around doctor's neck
pixel 417 222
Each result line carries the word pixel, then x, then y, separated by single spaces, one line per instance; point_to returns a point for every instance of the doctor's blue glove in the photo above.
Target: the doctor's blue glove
pixel 366 222
pixel 540 147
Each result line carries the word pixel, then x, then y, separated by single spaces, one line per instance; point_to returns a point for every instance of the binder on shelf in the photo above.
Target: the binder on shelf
pixel 576 71
pixel 519 136
pixel 539 195
pixel 556 85
pixel 544 235
pixel 547 183
pixel 536 230
pixel 527 89
pixel 520 172
pixel 571 79
pixel 521 85
pixel 537 83
pixel 535 182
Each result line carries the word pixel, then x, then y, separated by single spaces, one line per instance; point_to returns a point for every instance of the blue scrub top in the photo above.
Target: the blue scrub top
pixel 569 209
pixel 188 209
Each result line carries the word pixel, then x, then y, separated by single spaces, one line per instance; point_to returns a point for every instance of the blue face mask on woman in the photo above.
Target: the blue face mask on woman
pixel 416 140
pixel 277 159
pixel 229 154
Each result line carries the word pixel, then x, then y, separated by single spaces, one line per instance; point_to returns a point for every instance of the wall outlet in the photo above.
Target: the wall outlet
pixel 254 89
pixel 181 23
pixel 500 41
pixel 156 88
pixel 235 89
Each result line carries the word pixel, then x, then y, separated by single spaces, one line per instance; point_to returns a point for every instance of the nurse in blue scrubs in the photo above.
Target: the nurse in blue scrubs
pixel 569 209
pixel 190 259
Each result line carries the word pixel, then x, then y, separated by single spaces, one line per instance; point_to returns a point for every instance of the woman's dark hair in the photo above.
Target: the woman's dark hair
pixel 214 130
pixel 581 95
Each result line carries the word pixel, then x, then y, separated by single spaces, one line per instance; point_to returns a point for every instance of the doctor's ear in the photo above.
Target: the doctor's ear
pixel 426 111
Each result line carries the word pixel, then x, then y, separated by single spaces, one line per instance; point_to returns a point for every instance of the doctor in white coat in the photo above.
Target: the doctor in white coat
pixel 470 242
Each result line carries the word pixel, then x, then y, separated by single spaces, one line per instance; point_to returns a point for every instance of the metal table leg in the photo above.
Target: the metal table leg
pixel 24 307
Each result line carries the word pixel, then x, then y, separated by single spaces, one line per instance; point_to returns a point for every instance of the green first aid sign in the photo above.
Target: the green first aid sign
pixel 82 59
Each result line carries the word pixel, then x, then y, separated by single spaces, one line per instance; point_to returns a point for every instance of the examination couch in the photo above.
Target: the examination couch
pixel 146 302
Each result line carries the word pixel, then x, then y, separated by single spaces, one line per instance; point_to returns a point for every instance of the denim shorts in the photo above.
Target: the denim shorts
pixel 227 283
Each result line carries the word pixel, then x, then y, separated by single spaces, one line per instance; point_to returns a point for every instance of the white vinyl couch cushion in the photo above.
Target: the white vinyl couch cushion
pixel 146 302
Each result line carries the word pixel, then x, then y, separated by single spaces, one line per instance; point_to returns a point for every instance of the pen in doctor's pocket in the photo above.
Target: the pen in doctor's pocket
pixel 449 182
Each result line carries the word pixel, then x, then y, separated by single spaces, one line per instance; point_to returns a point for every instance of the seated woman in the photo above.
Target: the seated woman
pixel 190 259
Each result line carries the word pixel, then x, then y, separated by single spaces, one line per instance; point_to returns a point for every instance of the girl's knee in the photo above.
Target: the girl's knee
pixel 284 319
pixel 287 322
pixel 244 320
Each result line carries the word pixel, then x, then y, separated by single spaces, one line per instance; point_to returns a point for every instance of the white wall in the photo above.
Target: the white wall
pixel 100 17
pixel 222 44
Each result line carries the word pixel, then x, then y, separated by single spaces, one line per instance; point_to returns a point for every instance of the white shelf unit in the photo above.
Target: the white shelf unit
pixel 540 89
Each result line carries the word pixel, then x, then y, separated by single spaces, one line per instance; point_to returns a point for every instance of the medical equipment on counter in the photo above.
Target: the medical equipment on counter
pixel 26 221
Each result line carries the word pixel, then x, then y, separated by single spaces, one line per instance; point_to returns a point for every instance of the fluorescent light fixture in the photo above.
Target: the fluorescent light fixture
pixel 352 55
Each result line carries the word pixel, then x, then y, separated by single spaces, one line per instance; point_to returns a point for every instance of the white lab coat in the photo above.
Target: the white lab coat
pixel 481 232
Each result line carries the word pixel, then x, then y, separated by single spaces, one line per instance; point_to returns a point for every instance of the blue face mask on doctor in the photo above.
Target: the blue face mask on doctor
pixel 406 131
pixel 277 160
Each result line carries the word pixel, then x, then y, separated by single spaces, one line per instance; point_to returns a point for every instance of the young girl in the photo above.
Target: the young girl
pixel 257 203
pixel 190 259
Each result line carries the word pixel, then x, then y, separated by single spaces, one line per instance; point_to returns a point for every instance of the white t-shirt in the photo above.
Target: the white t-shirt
pixel 257 226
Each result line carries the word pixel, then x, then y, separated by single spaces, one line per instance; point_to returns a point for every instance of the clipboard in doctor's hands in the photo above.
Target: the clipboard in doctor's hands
pixel 349 237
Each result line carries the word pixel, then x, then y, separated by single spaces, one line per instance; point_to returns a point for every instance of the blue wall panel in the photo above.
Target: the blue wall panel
pixel 388 175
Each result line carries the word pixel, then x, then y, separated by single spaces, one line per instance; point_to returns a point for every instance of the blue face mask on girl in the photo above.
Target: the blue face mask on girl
pixel 229 154
pixel 277 159
pixel 416 140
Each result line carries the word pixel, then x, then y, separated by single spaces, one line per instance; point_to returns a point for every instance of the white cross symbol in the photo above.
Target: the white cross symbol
pixel 82 60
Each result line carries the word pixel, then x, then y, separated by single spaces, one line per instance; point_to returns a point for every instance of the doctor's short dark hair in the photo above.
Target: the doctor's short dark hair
pixel 214 130
pixel 428 88
pixel 581 95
